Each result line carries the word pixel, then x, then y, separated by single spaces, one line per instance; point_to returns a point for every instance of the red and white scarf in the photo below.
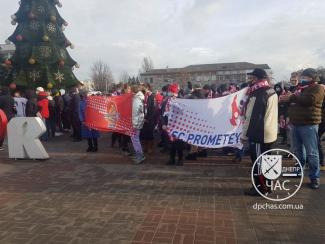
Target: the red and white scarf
pixel 300 89
pixel 283 124
pixel 258 85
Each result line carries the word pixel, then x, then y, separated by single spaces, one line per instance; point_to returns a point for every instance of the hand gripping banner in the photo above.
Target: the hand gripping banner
pixel 208 123
pixel 111 114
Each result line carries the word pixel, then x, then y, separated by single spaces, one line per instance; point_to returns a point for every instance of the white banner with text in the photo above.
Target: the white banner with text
pixel 208 123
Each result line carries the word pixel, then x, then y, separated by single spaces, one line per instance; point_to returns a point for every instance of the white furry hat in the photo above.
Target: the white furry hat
pixel 39 89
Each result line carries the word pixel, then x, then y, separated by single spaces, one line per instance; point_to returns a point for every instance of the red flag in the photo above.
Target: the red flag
pixel 3 124
pixel 112 114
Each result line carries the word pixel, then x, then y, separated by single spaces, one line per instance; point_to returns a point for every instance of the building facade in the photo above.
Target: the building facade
pixel 219 73
pixel 7 50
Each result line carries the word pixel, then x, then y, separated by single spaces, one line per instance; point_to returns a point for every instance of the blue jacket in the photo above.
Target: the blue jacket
pixel 86 132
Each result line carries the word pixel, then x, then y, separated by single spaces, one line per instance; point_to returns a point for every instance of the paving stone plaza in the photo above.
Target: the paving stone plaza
pixel 103 198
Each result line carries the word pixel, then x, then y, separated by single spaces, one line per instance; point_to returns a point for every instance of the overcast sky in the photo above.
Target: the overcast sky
pixel 287 35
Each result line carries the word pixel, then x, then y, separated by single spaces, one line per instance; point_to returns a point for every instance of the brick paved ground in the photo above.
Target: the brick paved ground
pixel 102 198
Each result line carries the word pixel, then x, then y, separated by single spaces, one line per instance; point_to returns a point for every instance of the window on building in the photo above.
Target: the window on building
pixel 151 80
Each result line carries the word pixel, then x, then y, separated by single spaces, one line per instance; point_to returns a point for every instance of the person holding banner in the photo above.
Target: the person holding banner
pixel 197 93
pixel 87 133
pixel 147 132
pixel 125 139
pixel 177 145
pixel 137 122
pixel 261 123
pixel 164 143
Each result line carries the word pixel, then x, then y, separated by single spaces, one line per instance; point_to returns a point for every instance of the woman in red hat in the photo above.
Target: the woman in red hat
pixel 43 105
pixel 177 146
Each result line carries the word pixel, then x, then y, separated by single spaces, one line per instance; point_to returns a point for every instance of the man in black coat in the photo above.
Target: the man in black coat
pixel 66 118
pixel 75 120
pixel 59 106
pixel 32 108
pixel 150 120
pixel 7 105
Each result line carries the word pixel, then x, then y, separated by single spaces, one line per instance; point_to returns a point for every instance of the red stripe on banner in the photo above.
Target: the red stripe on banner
pixel 3 124
pixel 110 114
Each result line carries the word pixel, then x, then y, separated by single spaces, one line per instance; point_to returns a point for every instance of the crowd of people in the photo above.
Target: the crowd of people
pixel 60 111
pixel 294 112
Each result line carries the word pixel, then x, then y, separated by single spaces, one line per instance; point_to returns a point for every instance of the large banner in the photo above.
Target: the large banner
pixel 111 114
pixel 208 123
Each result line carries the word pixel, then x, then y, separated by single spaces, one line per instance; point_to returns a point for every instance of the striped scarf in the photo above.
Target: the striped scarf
pixel 300 89
pixel 258 85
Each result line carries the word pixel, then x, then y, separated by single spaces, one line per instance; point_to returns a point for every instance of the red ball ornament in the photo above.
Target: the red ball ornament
pixel 61 63
pixel 19 38
pixel 31 16
pixel 8 62
pixel 12 86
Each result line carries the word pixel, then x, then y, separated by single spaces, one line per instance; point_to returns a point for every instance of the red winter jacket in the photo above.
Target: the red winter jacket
pixel 43 105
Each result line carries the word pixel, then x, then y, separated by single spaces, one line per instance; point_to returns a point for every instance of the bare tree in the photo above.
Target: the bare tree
pixel 102 76
pixel 124 77
pixel 146 65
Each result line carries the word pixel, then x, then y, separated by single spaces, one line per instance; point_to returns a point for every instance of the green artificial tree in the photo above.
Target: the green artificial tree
pixel 5 65
pixel 41 57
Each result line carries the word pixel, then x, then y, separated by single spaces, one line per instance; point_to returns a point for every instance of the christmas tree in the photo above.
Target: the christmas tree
pixel 41 57
pixel 5 65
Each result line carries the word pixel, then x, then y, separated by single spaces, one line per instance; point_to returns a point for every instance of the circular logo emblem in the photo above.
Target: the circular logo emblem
pixel 112 115
pixel 277 175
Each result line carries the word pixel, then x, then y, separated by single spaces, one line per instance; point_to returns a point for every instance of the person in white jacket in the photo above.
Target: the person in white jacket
pixel 20 105
pixel 137 121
